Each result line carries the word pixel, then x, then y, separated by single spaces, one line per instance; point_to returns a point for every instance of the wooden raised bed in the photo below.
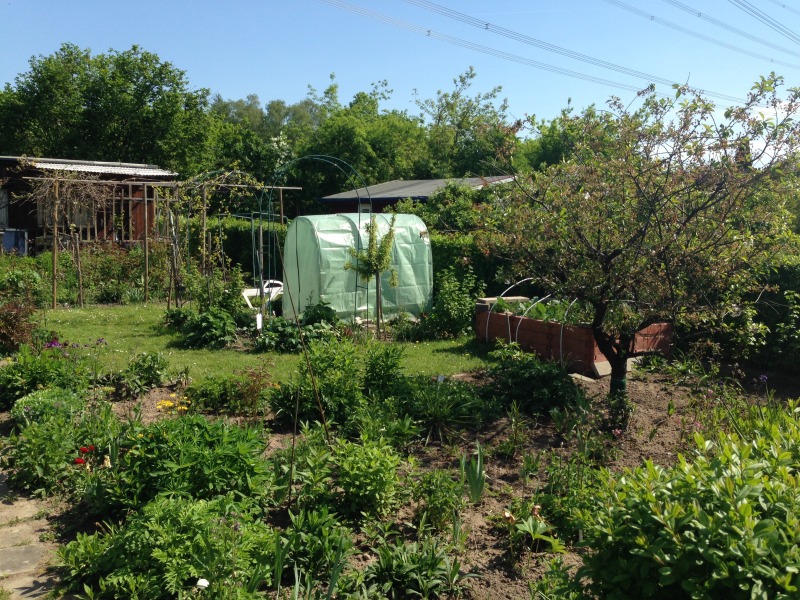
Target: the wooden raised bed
pixel 573 345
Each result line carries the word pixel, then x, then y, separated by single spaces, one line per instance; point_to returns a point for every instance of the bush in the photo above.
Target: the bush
pixel 57 365
pixel 337 372
pixel 367 475
pixel 282 335
pixel 420 569
pixel 45 404
pixel 235 394
pixel 536 385
pixel 16 325
pixel 164 550
pixel 145 371
pixel 441 497
pixel 214 328
pixel 723 525
pixel 54 453
pixel 189 456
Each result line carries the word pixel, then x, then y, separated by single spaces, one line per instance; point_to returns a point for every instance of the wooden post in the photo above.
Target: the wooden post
pixel 146 248
pixel 55 242
pixel 203 233
pixel 130 213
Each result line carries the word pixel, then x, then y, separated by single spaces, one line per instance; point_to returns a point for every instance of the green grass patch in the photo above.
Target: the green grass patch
pixel 131 329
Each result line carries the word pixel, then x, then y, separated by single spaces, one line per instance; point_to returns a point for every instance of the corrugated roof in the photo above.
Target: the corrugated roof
pixel 128 169
pixel 418 189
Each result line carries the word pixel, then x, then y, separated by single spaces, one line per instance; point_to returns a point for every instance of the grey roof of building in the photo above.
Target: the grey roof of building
pixel 417 189
pixel 96 167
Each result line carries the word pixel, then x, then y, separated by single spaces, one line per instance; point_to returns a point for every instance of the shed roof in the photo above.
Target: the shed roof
pixel 96 167
pixel 417 189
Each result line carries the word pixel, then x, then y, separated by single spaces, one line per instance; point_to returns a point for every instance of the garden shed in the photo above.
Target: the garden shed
pixel 318 249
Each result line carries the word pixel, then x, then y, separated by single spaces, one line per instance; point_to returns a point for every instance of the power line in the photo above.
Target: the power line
pixel 700 36
pixel 723 25
pixel 766 20
pixel 784 6
pixel 453 14
pixel 500 54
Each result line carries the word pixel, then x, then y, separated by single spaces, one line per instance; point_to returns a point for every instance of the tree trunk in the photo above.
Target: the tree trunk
pixel 378 304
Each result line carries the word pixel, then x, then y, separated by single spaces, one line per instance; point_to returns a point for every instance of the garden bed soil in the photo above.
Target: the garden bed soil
pixel 654 433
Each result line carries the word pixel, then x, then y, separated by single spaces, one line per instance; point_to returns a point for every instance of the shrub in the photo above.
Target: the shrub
pixel 724 524
pixel 337 372
pixel 282 335
pixel 190 456
pixel 162 551
pixel 44 404
pixel 441 497
pixel 51 454
pixel 316 542
pixel 55 366
pixel 16 326
pixel 536 385
pixel 454 302
pixel 367 475
pixel 214 328
pixel 382 369
pixel 145 371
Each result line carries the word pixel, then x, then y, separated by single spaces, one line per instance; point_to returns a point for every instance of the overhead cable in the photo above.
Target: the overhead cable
pixel 785 7
pixel 764 18
pixel 505 55
pixel 698 35
pixel 700 15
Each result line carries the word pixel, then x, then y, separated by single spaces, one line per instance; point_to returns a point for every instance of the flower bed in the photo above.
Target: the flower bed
pixel 573 345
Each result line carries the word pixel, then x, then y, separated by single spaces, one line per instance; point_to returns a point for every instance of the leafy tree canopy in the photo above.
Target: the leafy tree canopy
pixel 669 211
pixel 127 106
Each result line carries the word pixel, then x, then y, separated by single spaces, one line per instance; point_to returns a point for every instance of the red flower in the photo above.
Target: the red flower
pixel 84 450
pixel 79 461
pixel 91 448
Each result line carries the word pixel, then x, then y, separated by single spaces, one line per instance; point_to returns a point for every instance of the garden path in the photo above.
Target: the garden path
pixel 24 555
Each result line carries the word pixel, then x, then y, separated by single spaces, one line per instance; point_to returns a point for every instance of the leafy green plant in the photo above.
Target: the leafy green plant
pixel 453 311
pixel 537 386
pixel 282 335
pixel 316 542
pixel 419 569
pixel 163 550
pixel 441 498
pixel 57 365
pixel 43 404
pixel 190 456
pixel 336 384
pixel 145 371
pixel 219 395
pixel 382 369
pixel 474 474
pixel 442 407
pixel 213 328
pixel 367 475
pixel 721 524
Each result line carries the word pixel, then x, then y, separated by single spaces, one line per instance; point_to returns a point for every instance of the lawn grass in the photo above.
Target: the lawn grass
pixel 128 330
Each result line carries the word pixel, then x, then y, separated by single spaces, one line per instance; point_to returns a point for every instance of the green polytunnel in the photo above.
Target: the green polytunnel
pixel 318 248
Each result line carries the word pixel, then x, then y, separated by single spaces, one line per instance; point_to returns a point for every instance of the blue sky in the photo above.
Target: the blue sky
pixel 277 49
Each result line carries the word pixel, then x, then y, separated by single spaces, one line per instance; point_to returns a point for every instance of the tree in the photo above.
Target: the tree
pixel 466 134
pixel 373 261
pixel 124 106
pixel 671 211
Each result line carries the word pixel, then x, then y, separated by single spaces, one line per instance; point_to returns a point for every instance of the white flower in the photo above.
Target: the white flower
pixel 201 583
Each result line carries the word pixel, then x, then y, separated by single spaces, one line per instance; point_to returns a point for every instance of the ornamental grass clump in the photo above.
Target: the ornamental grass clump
pixel 723 523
